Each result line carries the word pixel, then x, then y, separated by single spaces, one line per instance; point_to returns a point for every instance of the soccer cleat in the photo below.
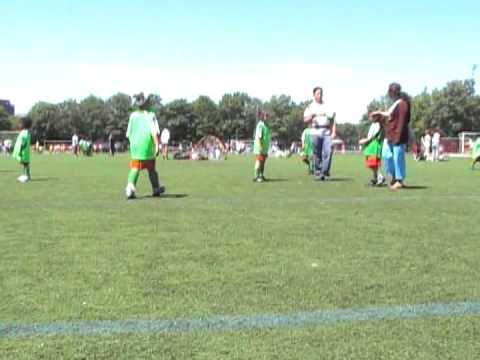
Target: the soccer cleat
pixel 23 178
pixel 159 191
pixel 381 180
pixel 130 191
pixel 259 179
pixel 372 183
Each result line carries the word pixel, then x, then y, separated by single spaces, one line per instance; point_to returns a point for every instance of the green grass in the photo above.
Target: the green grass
pixel 72 248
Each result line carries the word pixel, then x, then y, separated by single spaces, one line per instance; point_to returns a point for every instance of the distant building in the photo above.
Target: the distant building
pixel 8 106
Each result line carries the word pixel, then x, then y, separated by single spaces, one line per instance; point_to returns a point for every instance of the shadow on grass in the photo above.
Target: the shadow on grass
pixel 339 179
pixel 276 180
pixel 415 187
pixel 163 196
pixel 43 179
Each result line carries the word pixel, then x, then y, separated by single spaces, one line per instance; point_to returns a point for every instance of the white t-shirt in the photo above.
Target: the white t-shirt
pixel 322 115
pixel 427 140
pixel 74 140
pixel 373 130
pixel 165 136
pixel 436 139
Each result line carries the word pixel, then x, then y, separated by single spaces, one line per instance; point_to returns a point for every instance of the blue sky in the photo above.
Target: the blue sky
pixel 54 50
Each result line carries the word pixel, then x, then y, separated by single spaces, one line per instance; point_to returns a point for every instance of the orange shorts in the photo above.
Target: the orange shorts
pixel 373 162
pixel 261 157
pixel 142 164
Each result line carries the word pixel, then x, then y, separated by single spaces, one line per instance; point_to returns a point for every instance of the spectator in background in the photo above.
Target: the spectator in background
pixel 436 146
pixel 111 144
pixel 164 140
pixel 426 143
pixel 75 144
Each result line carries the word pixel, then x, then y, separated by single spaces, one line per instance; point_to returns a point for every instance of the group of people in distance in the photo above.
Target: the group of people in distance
pixel 386 140
pixel 430 144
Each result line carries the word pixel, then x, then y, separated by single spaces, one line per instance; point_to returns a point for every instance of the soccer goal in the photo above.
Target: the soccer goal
pixel 466 140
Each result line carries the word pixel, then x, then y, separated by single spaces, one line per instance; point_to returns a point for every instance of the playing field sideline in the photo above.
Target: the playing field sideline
pixel 217 245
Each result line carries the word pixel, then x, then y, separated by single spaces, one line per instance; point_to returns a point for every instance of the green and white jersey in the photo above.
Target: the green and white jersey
pixel 307 142
pixel 141 126
pixel 21 151
pixel 262 132
pixel 476 149
pixel 375 137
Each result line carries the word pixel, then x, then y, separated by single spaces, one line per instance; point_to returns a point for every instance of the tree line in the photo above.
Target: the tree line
pixel 452 109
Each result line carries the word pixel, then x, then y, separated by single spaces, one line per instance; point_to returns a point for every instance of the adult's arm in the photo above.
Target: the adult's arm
pixel 334 126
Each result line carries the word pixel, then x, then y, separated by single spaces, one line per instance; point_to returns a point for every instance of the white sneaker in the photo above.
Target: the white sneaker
pixel 130 191
pixel 380 180
pixel 23 178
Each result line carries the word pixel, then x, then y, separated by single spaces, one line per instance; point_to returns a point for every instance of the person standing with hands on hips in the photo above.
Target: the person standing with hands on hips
pixel 323 130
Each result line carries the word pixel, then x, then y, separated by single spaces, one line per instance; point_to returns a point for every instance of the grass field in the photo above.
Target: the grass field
pixel 73 249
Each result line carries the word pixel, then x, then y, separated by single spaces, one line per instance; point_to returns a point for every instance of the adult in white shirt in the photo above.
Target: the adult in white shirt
pixel 75 144
pixel 427 143
pixel 436 146
pixel 164 139
pixel 323 130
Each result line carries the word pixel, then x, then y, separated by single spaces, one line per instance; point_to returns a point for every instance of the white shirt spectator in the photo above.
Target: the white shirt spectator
pixel 165 136
pixel 436 139
pixel 321 117
pixel 74 140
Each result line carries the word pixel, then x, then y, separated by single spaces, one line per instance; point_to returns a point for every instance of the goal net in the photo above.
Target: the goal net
pixel 466 140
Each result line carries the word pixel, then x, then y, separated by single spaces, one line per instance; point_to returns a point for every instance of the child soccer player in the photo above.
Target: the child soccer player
pixel 261 146
pixel 307 150
pixel 373 150
pixel 21 151
pixel 476 152
pixel 143 134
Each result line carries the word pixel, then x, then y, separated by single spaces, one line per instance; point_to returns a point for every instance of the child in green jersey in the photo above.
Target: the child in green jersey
pixel 373 152
pixel 143 134
pixel 476 152
pixel 261 146
pixel 21 151
pixel 307 150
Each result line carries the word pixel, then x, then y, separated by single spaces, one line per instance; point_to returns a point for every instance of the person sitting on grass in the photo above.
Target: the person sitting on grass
pixel 143 134
pixel 475 152
pixel 307 150
pixel 261 146
pixel 373 151
pixel 21 150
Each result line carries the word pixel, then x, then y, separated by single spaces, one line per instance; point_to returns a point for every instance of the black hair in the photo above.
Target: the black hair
pixel 141 101
pixel 317 88
pixel 26 122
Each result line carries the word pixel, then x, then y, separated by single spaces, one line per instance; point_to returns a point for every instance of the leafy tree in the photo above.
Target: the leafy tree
pixel 5 123
pixel 118 109
pixel 44 120
pixel 93 111
pixel 206 116
pixel 179 118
